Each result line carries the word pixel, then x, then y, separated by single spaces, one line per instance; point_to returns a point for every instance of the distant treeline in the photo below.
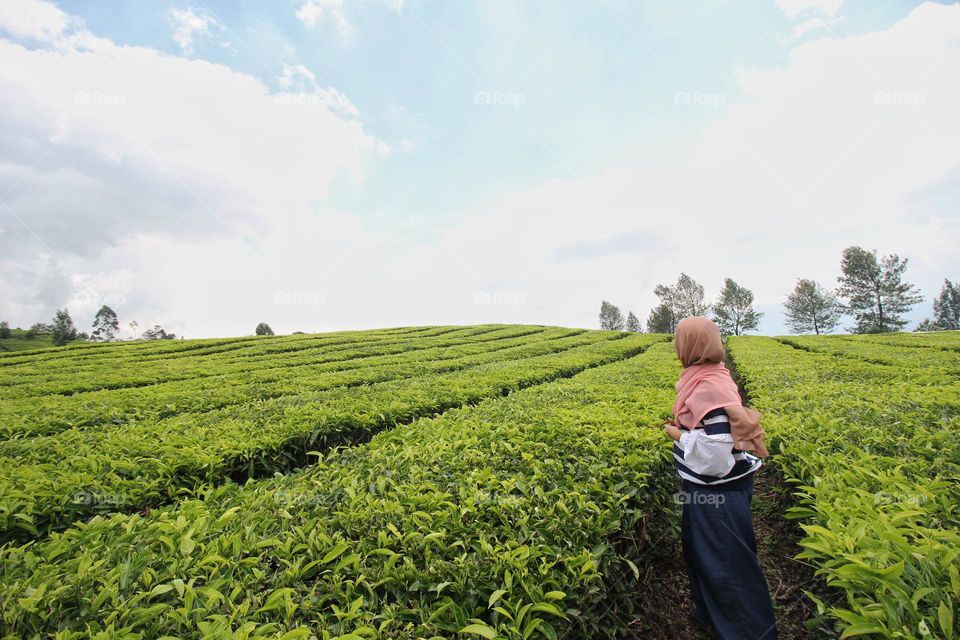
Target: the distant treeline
pixel 106 327
pixel 871 290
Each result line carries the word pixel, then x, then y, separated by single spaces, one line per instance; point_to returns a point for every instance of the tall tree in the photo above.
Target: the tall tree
pixel 812 309
pixel 63 330
pixel 632 323
pixel 685 298
pixel 946 308
pixel 611 318
pixel 4 329
pixel 263 329
pixel 661 320
pixel 733 311
pixel 688 298
pixel 875 291
pixel 105 325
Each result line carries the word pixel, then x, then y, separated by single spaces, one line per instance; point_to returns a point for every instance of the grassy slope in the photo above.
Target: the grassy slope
pixel 18 342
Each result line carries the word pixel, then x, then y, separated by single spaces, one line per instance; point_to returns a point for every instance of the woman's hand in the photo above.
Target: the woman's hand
pixel 672 430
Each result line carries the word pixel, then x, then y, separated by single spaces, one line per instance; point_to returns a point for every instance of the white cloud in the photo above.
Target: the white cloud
pixel 33 19
pixel 310 13
pixel 850 141
pixel 188 24
pixel 124 160
pixel 299 85
pixel 794 8
pixel 808 162
pixel 809 26
pixel 313 12
pixel 817 15
pixel 297 76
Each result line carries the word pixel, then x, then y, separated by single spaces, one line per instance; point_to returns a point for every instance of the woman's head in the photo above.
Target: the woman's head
pixel 698 341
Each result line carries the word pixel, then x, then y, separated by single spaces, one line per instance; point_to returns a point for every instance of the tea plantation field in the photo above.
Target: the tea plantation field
pixel 495 481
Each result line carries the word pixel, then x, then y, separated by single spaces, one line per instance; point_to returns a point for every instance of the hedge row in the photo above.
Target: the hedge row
pixel 519 517
pixel 257 379
pixel 49 481
pixel 108 373
pixel 936 363
pixel 875 455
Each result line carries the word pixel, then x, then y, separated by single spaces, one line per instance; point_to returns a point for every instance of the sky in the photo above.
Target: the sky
pixel 343 164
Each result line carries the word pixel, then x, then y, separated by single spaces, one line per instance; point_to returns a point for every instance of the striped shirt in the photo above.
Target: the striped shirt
pixel 705 455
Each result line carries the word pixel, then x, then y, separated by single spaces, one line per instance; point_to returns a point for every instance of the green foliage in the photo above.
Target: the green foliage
pixel 633 324
pixel 662 320
pixel 868 435
pixel 947 340
pixel 105 325
pixel 935 365
pixel 733 311
pixel 4 330
pixel 141 364
pixel 20 340
pixel 498 481
pixel 63 329
pixel 611 318
pixel 157 333
pixel 49 481
pixel 263 329
pixel 812 309
pixel 518 517
pixel 677 302
pixel 946 308
pixel 241 375
pixel 876 293
pixel 38 329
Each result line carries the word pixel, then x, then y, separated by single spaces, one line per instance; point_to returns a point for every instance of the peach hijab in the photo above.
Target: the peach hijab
pixel 705 384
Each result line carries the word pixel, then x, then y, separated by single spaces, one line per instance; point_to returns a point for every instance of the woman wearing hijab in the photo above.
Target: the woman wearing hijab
pixel 718 446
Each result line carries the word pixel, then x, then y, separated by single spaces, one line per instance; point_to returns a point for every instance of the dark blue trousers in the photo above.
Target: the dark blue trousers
pixel 720 551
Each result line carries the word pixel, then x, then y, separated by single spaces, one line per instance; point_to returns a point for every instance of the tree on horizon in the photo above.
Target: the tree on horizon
pixel 105 325
pixel 811 308
pixel 63 329
pixel 876 293
pixel 684 298
pixel 611 318
pixel 946 309
pixel 733 312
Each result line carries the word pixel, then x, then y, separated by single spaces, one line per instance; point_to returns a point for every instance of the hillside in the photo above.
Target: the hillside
pixel 18 341
pixel 486 481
